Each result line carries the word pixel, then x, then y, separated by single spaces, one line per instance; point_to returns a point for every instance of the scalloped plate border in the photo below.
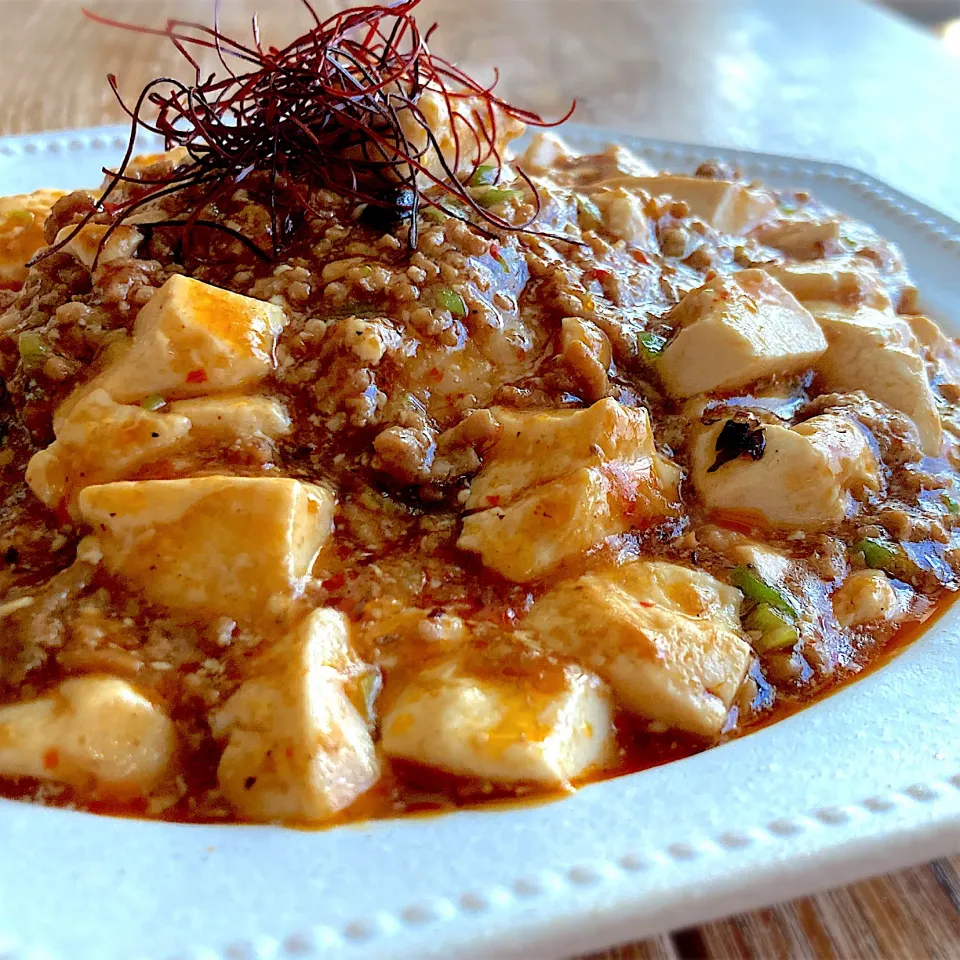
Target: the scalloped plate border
pixel 865 781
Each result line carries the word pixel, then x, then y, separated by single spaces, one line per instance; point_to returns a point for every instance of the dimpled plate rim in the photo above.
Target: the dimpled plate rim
pixel 865 781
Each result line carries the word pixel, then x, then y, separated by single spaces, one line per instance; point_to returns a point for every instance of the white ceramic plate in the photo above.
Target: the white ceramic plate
pixel 865 781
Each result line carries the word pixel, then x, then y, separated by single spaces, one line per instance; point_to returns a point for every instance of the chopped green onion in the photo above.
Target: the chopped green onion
pixel 153 402
pixel 651 345
pixel 775 628
pixel 435 214
pixel 952 506
pixel 483 176
pixel 886 556
pixel 782 638
pixel 452 301
pixel 491 198
pixel 32 348
pixel 757 591
pixel 588 214
pixel 20 218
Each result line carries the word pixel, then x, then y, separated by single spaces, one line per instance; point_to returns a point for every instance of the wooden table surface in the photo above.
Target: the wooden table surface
pixel 831 79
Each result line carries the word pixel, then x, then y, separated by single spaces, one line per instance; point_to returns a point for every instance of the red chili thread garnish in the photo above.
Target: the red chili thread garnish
pixel 323 112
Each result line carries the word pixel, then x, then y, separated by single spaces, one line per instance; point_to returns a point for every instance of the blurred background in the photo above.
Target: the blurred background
pixel 942 16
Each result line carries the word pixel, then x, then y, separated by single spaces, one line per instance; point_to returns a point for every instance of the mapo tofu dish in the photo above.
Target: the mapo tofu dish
pixel 355 463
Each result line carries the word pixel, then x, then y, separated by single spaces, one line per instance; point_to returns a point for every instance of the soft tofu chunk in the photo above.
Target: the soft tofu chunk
pixel 537 446
pixel 224 546
pixel 297 747
pixel 586 351
pixel 736 330
pixel 618 161
pixel 560 520
pixel 624 215
pixel 440 123
pixel 846 282
pixel 229 418
pixel 807 478
pixel 557 482
pixel 500 728
pixel 91 244
pixel 545 151
pixel 867 596
pixel 875 351
pixel 664 638
pixel 802 239
pixel 193 339
pixel 21 233
pixel 726 206
pixel 92 732
pixel 942 352
pixel 99 441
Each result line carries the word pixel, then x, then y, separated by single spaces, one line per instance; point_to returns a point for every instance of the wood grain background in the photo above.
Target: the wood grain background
pixel 656 67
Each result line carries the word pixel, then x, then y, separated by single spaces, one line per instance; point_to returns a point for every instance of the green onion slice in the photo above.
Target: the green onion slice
pixel 490 198
pixel 452 301
pixel 153 402
pixel 758 591
pixel 651 345
pixel 588 214
pixel 886 556
pixel 483 176
pixel 32 348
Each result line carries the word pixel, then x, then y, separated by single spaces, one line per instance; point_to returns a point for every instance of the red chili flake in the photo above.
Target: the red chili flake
pixel 336 582
pixel 197 376
pixel 498 256
pixel 435 374
pixel 646 603
pixel 493 501
pixel 598 273
pixel 51 759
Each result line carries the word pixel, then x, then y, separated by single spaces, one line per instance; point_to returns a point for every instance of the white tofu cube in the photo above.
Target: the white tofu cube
pixel 735 330
pixel 726 206
pixel 558 482
pixel 92 243
pixel 867 596
pixel 808 478
pixel 941 352
pixel 95 732
pixel 843 281
pixel 545 151
pixel 223 546
pixel 297 748
pixel 802 239
pixel 876 351
pixel 21 233
pixel 664 637
pixel 558 521
pixel 99 441
pixel 194 339
pixel 230 418
pixel 508 730
pixel 537 446
pixel 625 215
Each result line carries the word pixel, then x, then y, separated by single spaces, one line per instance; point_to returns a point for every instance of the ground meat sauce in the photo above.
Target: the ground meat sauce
pixel 395 366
